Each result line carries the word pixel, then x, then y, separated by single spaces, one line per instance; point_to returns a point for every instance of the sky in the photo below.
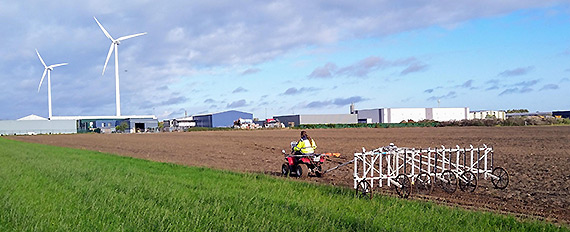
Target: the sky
pixel 284 57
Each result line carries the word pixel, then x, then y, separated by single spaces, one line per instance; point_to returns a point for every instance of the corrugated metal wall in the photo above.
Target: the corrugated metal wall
pixel 307 119
pixel 11 127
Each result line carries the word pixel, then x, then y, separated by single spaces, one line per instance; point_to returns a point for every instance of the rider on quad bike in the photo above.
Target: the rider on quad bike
pixel 305 146
pixel 303 152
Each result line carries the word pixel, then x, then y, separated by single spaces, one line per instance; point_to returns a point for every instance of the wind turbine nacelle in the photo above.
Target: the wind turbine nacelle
pixel 117 42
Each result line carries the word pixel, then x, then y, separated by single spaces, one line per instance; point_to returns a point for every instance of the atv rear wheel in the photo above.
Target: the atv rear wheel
pixel 298 171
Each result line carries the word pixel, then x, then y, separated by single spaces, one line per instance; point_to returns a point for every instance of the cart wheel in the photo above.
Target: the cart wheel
pixel 405 186
pixel 364 190
pixel 503 178
pixel 424 183
pixel 448 181
pixel 285 169
pixel 467 181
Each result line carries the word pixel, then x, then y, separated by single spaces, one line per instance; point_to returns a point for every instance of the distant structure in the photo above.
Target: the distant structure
pixel 47 69
pixel 108 124
pixel 561 114
pixel 308 119
pixel 539 114
pixel 33 125
pixel 115 46
pixel 485 114
pixel 218 119
pixel 397 115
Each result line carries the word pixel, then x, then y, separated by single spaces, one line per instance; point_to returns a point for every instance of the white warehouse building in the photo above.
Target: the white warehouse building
pixel 397 115
pixel 307 119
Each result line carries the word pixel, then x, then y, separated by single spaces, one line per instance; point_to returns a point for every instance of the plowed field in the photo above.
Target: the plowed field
pixel 537 158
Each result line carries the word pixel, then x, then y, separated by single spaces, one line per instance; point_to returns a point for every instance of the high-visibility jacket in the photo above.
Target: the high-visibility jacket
pixel 305 146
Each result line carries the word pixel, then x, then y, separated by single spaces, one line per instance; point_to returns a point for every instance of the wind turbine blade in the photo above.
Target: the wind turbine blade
pixel 57 65
pixel 130 36
pixel 108 56
pixel 42 60
pixel 103 29
pixel 41 81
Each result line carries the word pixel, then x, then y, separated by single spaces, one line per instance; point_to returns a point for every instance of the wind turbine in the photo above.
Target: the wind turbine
pixel 47 69
pixel 114 46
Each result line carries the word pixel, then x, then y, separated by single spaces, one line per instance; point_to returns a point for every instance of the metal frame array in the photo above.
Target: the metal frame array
pixel 418 170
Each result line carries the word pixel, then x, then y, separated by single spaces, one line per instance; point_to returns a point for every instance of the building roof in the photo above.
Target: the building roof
pixel 31 117
pixel 103 117
pixel 220 113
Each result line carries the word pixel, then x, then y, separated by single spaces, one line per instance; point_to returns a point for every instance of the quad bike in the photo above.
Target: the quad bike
pixel 293 164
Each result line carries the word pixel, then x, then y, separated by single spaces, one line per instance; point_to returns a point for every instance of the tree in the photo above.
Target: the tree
pixel 517 111
pixel 122 127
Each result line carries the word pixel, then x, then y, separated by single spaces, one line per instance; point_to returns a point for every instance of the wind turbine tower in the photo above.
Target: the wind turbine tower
pixel 47 69
pixel 115 46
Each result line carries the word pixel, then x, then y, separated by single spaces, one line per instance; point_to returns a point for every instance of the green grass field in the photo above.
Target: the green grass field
pixel 46 188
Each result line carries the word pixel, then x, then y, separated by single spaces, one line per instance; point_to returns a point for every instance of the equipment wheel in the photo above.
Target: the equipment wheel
pixel 448 181
pixel 405 186
pixel 503 178
pixel 364 189
pixel 285 169
pixel 467 181
pixel 423 183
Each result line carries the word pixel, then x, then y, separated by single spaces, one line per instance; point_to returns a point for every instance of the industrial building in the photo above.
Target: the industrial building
pixel 397 115
pixel 107 124
pixel 483 114
pixel 33 124
pixel 561 114
pixel 220 119
pixel 305 119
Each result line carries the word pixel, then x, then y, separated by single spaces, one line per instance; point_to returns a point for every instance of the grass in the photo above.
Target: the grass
pixel 46 188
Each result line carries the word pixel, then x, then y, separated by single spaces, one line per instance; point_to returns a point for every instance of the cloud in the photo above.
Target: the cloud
pixel 237 104
pixel 346 101
pixel 174 100
pixel 515 91
pixel 526 84
pixel 364 66
pixel 250 71
pixel 367 65
pixel 450 95
pixel 516 72
pixel 324 72
pixel 194 39
pixel 295 91
pixel 209 100
pixel 467 84
pixel 162 88
pixel 415 67
pixel 549 87
pixel 565 79
pixel 239 90
pixel 335 102
pixel 428 91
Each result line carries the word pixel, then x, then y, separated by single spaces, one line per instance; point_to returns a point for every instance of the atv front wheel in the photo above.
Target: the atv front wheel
pixel 285 169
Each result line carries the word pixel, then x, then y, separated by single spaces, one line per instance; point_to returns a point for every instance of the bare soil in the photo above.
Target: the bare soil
pixel 536 158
